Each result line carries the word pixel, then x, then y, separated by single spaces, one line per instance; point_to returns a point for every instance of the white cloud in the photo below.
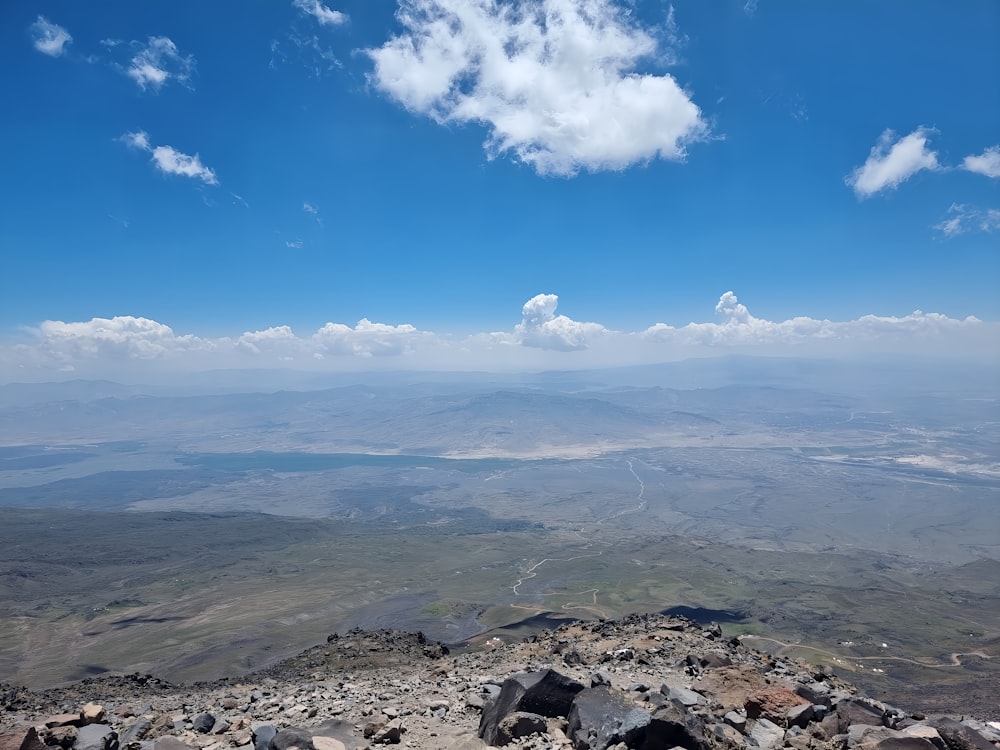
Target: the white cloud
pixel 320 12
pixel 139 139
pixel 121 337
pixel 987 163
pixel 556 82
pixel 963 218
pixel 739 328
pixel 171 161
pixel 277 338
pixel 294 244
pixel 309 208
pixel 892 162
pixel 157 62
pixel 540 327
pixel 49 38
pixel 368 339
pixel 108 347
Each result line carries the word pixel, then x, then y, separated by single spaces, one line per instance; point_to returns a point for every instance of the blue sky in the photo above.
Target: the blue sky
pixel 209 184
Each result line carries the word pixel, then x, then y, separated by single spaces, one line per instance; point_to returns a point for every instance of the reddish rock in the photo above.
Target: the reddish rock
pixel 772 704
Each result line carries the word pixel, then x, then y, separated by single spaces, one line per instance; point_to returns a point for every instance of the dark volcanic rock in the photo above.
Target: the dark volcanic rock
pixel 203 723
pixel 286 739
pixel 597 716
pixel 545 693
pixel 671 726
pixel 262 736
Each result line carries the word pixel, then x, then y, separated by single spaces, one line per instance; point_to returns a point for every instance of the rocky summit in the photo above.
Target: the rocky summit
pixel 643 682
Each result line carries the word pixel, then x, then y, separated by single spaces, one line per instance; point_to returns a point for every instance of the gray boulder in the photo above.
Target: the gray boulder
pixel 958 736
pixel 262 736
pixel 96 737
pixel 519 724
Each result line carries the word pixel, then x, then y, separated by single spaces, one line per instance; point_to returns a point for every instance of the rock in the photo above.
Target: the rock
pixel 170 743
pixel 714 660
pixel 390 734
pixel 600 678
pixel 597 715
pixel 929 733
pixel 546 693
pixel 767 733
pixel 671 725
pixel 262 736
pixel 291 737
pixel 773 704
pixel 92 713
pixel 29 740
pixel 137 731
pixel 64 737
pixel 203 723
pixel 96 737
pixel 328 743
pixel 858 711
pixel 519 724
pixel 726 735
pixel 815 692
pixel 684 696
pixel 958 736
pixel 64 720
pixel 800 715
pixel 736 720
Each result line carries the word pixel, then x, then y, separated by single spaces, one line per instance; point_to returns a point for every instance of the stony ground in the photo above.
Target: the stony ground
pixel 643 682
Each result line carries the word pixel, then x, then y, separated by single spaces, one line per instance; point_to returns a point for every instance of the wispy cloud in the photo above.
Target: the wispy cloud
pixel 987 163
pixel 158 61
pixel 294 244
pixel 557 83
pixel 49 38
pixel 962 219
pixel 320 12
pixel 171 161
pixel 892 162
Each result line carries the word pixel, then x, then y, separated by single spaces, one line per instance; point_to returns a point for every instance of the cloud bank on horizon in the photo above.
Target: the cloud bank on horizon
pixel 105 346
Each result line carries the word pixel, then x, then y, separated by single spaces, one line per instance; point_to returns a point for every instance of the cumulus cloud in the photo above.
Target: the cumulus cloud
pixel 892 162
pixel 963 218
pixel 123 336
pixel 158 61
pixel 368 339
pixel 320 12
pixel 276 338
pixel 540 327
pixel 987 163
pixel 169 160
pixel 49 38
pixel 556 82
